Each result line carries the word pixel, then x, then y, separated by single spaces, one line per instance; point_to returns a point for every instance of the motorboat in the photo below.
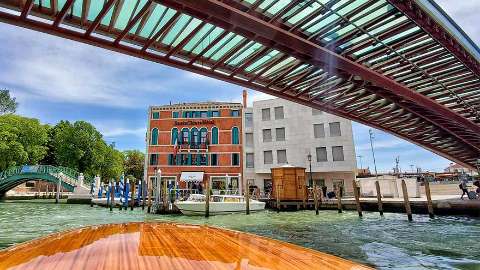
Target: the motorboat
pixel 219 204
pixel 105 202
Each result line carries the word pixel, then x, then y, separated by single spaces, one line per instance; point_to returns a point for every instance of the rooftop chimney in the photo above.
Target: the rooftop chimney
pixel 244 98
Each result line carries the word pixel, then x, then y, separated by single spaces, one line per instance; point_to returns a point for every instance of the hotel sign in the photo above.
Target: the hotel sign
pixel 194 122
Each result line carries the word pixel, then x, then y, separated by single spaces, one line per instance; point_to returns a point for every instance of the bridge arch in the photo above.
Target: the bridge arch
pixel 15 176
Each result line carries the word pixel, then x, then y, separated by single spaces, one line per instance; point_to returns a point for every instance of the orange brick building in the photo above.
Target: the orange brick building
pixel 192 143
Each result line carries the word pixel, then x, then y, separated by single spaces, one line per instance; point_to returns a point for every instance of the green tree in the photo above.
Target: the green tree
pixel 133 163
pixel 7 104
pixel 110 165
pixel 22 140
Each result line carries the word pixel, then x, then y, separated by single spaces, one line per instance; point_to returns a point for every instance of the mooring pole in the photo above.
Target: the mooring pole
pixel 134 183
pixel 429 198
pixel 247 197
pixel 57 197
pixel 406 201
pixel 142 198
pixel 207 199
pixel 339 200
pixel 379 198
pixel 356 193
pixel 277 191
pixel 112 195
pixel 315 198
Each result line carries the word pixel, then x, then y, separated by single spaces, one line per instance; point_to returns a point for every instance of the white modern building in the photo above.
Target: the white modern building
pixel 278 132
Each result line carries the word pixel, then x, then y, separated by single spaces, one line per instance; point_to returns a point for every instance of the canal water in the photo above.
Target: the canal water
pixel 390 242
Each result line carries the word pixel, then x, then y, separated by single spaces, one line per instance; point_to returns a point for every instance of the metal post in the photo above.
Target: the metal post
pixel 143 199
pixel 309 157
pixel 406 201
pixel 379 198
pixel 315 198
pixel 339 200
pixel 429 198
pixel 356 193
pixel 373 152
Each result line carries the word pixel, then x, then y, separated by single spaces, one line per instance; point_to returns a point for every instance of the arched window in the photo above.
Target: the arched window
pixel 195 139
pixel 154 137
pixel 185 136
pixel 214 135
pixel 203 135
pixel 175 136
pixel 235 136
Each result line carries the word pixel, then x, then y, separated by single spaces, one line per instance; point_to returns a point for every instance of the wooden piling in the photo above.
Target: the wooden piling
pixel 247 198
pixel 112 195
pixel 315 198
pixel 149 195
pixel 429 198
pixel 304 198
pixel 277 196
pixel 339 200
pixel 143 185
pixel 356 193
pixel 379 198
pixel 207 199
pixel 133 195
pixel 125 191
pixel 408 209
pixel 57 197
pixel 165 196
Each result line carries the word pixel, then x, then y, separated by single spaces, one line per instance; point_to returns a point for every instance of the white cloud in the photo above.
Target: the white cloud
pixel 393 143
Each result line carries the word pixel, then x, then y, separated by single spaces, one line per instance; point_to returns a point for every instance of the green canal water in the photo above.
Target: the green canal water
pixel 390 242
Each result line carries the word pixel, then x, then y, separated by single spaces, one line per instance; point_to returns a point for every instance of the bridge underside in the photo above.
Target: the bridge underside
pixel 9 183
pixel 387 64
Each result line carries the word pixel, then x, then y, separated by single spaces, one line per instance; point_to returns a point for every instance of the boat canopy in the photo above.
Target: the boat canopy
pixel 191 176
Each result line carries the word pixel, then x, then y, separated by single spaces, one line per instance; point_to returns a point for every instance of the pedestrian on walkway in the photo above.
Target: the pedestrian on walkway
pixel 463 187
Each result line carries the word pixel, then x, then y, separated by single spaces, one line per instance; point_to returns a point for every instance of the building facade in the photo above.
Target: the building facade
pixel 193 143
pixel 278 132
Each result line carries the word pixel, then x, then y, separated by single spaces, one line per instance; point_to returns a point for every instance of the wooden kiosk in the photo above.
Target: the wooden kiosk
pixel 288 185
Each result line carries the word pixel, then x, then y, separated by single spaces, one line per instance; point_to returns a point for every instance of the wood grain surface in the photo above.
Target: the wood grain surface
pixel 164 246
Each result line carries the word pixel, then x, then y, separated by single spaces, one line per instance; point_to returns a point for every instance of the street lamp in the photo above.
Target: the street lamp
pixel 373 152
pixel 309 157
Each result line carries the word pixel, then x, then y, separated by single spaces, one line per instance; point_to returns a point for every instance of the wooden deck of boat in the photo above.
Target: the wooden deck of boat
pixel 164 246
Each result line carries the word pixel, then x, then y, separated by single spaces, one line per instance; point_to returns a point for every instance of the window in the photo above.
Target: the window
pixel 171 158
pixel 267 157
pixel 248 119
pixel 153 159
pixel 215 114
pixel 318 131
pixel 282 156
pixel 279 113
pixel 280 134
pixel 235 159
pixel 185 136
pixel 203 135
pixel 335 129
pixel 175 114
pixel 337 153
pixel 235 113
pixel 214 159
pixel 154 137
pixel 267 135
pixel 195 139
pixel 250 160
pixel 321 154
pixel 249 139
pixel 204 114
pixel 156 115
pixel 174 136
pixel 316 112
pixel 235 136
pixel 214 135
pixel 266 114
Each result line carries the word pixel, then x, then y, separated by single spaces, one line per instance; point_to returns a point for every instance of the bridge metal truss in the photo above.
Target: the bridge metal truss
pixel 388 64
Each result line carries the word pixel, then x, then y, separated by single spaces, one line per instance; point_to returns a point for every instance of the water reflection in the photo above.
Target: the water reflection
pixel 441 243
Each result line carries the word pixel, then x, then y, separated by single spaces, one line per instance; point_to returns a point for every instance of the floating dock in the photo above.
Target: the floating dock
pixel 164 246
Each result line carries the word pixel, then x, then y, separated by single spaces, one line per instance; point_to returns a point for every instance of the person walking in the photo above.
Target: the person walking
pixel 463 187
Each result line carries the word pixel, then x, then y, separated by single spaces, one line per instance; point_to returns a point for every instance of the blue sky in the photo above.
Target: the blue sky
pixel 55 79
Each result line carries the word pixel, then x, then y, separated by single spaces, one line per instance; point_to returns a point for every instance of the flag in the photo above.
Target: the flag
pixel 175 147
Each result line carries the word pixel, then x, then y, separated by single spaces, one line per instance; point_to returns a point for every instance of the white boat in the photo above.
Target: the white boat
pixel 219 204
pixel 103 201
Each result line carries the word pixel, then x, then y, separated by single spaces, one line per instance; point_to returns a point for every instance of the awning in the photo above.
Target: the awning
pixel 191 176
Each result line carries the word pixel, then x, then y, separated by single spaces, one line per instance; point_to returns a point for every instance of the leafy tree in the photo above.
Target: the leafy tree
pixel 111 165
pixel 22 140
pixel 7 104
pixel 133 163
